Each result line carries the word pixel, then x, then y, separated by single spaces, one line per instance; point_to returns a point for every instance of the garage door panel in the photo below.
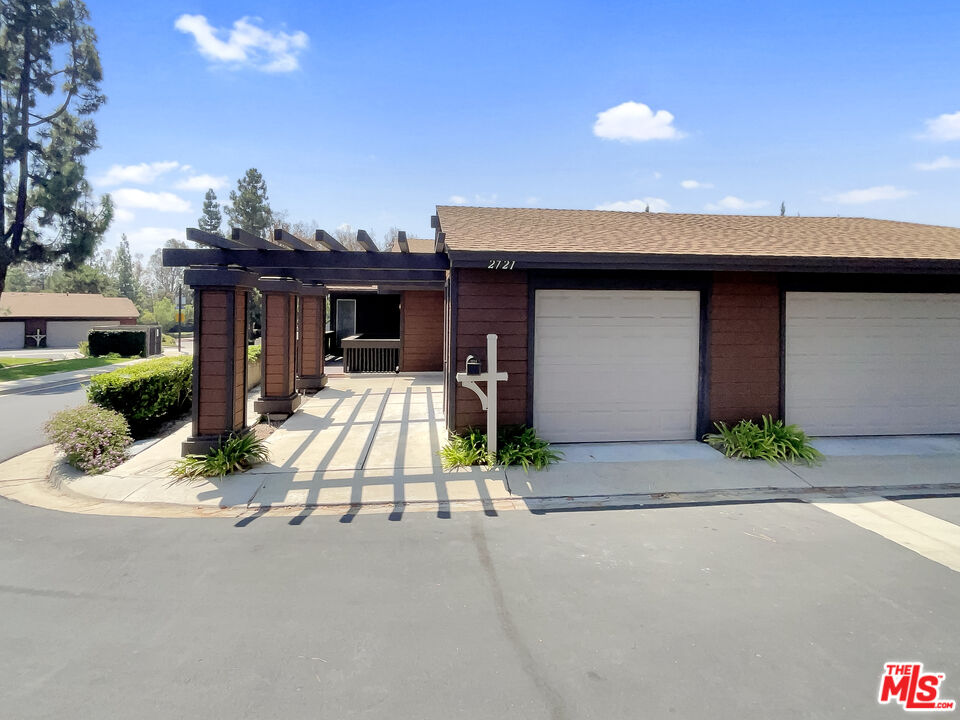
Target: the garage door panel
pixel 873 363
pixel 70 333
pixel 11 335
pixel 616 365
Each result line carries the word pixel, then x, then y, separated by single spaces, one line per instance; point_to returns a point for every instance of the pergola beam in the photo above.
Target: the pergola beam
pixel 366 242
pixel 292 242
pixel 329 242
pixel 212 240
pixel 402 242
pixel 279 258
pixel 343 277
pixel 249 240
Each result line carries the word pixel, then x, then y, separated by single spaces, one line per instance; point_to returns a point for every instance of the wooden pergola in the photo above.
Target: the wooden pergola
pixel 293 275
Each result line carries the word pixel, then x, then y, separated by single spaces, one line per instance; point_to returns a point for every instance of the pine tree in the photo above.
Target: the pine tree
pixel 50 78
pixel 249 207
pixel 122 270
pixel 211 219
pixel 783 209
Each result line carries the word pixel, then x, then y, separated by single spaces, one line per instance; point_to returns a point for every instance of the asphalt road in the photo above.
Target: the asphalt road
pixel 22 415
pixel 740 611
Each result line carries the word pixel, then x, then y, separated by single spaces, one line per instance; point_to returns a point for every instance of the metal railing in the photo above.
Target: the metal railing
pixel 370 355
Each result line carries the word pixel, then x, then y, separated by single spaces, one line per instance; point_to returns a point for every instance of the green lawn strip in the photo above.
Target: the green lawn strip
pixel 20 372
pixel 11 362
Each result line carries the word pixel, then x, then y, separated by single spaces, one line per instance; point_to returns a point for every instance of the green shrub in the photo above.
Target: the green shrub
pixel 772 441
pixel 146 393
pixel 253 353
pixel 236 454
pixel 92 438
pixel 84 348
pixel 516 445
pixel 168 340
pixel 126 343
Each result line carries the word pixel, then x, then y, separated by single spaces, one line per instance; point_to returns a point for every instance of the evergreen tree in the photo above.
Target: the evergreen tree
pixel 249 207
pixel 211 219
pixel 49 87
pixel 122 270
pixel 783 208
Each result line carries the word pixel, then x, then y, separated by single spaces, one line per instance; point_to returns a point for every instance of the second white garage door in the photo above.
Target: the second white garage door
pixel 616 365
pixel 70 333
pixel 873 363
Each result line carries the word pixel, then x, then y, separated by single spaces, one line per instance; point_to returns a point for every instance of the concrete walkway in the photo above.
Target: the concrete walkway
pixel 374 441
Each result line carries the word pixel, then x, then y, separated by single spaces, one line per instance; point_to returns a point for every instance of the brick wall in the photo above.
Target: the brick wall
pixel 421 322
pixel 744 347
pixel 491 301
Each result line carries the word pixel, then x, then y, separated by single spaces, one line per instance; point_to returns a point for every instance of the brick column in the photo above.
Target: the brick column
pixel 219 356
pixel 278 393
pixel 313 325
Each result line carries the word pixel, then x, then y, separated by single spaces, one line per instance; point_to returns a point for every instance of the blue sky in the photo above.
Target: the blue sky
pixel 370 114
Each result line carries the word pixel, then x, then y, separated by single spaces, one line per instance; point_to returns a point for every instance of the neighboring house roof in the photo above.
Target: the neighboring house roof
pixel 65 305
pixel 417 245
pixel 527 230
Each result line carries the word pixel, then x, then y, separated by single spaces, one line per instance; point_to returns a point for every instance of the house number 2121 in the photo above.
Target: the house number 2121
pixel 501 264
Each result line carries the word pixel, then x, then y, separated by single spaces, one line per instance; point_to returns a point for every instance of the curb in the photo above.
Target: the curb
pixel 44 488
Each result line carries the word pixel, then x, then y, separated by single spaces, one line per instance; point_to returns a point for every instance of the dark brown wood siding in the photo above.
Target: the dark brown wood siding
pixel 744 347
pixel 491 301
pixel 279 343
pixel 421 331
pixel 214 343
pixel 313 308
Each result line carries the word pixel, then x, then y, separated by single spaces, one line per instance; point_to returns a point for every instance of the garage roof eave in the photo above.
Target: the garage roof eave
pixel 688 262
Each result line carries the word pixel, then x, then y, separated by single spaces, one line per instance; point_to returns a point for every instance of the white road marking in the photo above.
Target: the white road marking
pixel 926 535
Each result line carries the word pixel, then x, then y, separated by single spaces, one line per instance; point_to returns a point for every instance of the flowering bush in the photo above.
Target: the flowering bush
pixel 92 438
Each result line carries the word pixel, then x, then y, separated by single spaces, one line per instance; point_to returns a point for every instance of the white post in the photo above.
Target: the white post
pixel 492 395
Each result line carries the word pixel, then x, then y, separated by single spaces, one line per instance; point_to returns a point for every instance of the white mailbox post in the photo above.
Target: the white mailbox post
pixel 488 400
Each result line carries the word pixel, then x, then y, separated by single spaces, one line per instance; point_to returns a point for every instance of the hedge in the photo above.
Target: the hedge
pixel 147 393
pixel 125 343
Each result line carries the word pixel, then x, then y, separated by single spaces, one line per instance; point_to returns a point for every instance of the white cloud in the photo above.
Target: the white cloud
pixel 868 195
pixel 731 202
pixel 635 122
pixel 478 199
pixel 148 239
pixel 246 44
pixel 121 215
pixel 694 185
pixel 941 163
pixel 639 205
pixel 203 182
pixel 162 201
pixel 532 200
pixel 142 174
pixel 943 127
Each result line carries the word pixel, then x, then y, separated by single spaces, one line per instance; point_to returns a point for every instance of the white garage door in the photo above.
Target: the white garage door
pixel 70 333
pixel 873 363
pixel 11 335
pixel 616 365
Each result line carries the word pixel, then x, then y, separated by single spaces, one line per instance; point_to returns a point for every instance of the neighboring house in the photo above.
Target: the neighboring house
pixel 649 326
pixel 58 320
pixel 414 316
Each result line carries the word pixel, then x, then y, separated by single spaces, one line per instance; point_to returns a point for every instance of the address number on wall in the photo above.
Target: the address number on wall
pixel 501 264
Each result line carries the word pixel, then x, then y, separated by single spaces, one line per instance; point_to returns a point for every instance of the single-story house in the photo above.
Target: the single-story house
pixel 58 320
pixel 619 326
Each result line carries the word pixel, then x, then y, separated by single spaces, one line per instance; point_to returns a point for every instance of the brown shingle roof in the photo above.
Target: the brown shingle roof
pixel 417 245
pixel 64 305
pixel 601 231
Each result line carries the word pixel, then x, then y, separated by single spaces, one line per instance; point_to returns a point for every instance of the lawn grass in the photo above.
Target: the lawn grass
pixel 11 362
pixel 31 369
